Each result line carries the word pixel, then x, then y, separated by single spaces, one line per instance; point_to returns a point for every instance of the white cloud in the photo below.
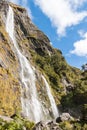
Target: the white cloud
pixel 80 47
pixel 81 33
pixel 77 3
pixel 62 13
pixel 25 4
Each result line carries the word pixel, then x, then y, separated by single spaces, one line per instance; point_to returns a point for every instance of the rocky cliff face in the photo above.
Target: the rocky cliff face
pixel 30 41
pixel 64 80
pixel 9 84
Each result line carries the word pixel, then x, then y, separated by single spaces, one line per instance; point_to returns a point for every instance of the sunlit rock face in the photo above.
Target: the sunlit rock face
pixel 9 83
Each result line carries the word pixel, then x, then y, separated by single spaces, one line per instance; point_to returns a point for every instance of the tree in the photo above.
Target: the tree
pixel 84 67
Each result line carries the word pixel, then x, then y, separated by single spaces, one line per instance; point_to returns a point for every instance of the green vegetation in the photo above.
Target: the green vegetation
pixel 18 123
pixel 73 125
pixel 77 98
pixel 66 125
pixel 73 94
pixel 56 69
pixel 49 65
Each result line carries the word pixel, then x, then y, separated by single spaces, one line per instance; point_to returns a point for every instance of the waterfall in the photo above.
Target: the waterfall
pixel 52 101
pixel 31 106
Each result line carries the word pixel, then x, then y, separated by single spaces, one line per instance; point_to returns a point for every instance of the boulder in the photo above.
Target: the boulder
pixel 6 118
pixel 64 117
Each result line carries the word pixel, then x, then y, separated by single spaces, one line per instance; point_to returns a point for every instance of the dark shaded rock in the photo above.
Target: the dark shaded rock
pixel 14 115
pixel 84 112
pixel 47 126
pixel 39 126
pixel 58 120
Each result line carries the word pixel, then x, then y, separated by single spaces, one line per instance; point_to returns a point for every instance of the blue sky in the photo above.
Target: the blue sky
pixel 65 23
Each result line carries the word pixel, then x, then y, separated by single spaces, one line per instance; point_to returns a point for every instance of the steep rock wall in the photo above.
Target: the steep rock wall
pixel 48 61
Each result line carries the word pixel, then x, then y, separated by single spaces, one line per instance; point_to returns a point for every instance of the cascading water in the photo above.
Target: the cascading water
pixel 52 101
pixel 31 106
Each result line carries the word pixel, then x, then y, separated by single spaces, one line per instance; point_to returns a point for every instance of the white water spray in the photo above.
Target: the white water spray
pixel 52 101
pixel 31 106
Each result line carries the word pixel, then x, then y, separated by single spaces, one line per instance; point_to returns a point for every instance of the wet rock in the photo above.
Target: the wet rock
pixel 47 126
pixel 39 126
